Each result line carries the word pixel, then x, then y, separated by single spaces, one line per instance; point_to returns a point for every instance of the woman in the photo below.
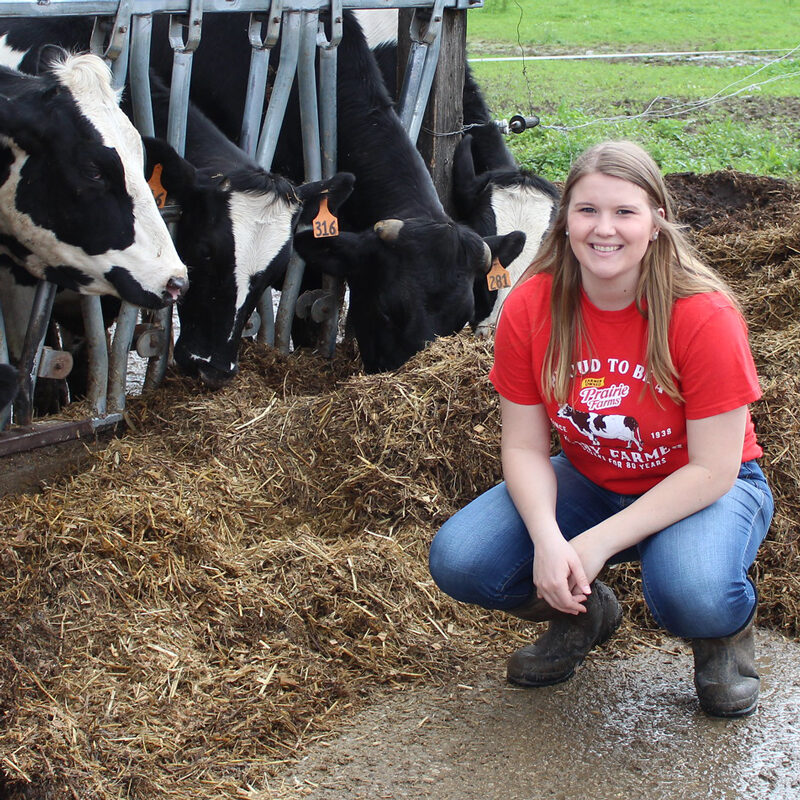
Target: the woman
pixel 636 353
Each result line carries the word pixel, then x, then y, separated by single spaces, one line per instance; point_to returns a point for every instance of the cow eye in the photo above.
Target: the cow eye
pixel 92 173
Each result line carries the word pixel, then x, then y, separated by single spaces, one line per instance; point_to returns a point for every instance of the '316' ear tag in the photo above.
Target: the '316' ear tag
pixel 498 276
pixel 156 187
pixel 325 224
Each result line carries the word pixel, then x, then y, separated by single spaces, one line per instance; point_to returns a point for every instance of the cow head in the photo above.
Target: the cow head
pixel 498 202
pixel 73 192
pixel 235 234
pixel 410 281
pixel 565 411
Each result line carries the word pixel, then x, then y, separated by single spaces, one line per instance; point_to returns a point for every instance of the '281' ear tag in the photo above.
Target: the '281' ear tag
pixel 325 224
pixel 156 187
pixel 498 276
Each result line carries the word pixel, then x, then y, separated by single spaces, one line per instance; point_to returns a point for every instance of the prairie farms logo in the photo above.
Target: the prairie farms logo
pixel 597 398
pixel 594 383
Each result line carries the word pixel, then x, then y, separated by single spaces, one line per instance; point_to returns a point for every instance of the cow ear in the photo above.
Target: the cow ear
pixel 334 255
pixel 47 56
pixel 506 248
pixel 178 176
pixel 337 189
pixel 464 179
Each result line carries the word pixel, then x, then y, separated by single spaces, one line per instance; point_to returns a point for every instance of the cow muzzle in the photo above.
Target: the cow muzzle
pixel 174 289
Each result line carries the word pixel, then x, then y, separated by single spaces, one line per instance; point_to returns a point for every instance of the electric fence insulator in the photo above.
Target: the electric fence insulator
pixel 518 123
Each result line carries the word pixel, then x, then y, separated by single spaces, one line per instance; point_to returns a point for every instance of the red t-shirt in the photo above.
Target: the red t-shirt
pixel 613 430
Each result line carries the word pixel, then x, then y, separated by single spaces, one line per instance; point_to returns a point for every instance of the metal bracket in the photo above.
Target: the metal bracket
pixel 256 27
pixel 149 339
pixel 54 363
pixel 252 325
pixel 425 29
pixel 193 22
pixel 317 304
pixel 109 44
pixel 336 28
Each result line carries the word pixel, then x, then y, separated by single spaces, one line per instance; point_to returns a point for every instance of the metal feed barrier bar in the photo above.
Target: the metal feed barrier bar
pixel 122 35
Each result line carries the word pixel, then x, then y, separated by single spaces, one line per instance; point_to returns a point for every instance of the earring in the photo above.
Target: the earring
pixel 566 233
pixel 654 236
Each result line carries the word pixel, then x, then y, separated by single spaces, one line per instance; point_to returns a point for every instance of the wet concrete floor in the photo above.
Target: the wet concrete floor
pixel 622 728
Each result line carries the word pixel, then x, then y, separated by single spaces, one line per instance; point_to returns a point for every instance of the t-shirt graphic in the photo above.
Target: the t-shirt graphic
pixel 603 426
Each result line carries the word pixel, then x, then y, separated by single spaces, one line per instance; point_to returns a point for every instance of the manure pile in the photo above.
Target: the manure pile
pixel 242 568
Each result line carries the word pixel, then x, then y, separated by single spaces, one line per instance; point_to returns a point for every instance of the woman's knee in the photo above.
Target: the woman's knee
pixel 478 563
pixel 702 608
pixel 446 559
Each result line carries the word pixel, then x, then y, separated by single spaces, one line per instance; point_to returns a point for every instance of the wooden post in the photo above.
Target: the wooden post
pixel 445 111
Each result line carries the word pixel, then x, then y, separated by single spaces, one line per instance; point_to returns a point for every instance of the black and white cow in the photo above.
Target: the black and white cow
pixel 75 208
pixel 603 426
pixel 410 268
pixel 234 233
pixel 490 192
pixel 236 223
pixel 496 201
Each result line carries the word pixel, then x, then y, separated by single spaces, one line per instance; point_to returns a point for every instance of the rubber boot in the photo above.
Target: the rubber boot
pixel 725 673
pixel 534 609
pixel 553 657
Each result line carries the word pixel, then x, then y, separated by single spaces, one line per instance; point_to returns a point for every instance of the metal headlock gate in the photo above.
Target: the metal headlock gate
pixel 122 36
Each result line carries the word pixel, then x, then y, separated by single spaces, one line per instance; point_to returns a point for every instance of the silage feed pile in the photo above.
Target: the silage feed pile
pixel 235 572
pixel 241 569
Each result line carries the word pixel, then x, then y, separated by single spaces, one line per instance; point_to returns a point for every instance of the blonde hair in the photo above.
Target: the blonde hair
pixel 670 269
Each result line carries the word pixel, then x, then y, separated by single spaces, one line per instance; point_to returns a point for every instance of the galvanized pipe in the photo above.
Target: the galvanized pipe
pixel 309 124
pixel 3 339
pixel 120 347
pixel 5 413
pixel 64 8
pixel 266 333
pixel 279 99
pixel 254 104
pixel 179 100
pixel 328 102
pixel 141 98
pixel 32 350
pixel 157 365
pixel 95 331
pixel 424 89
pixel 307 85
pixel 423 57
pixel 259 68
pixel 183 51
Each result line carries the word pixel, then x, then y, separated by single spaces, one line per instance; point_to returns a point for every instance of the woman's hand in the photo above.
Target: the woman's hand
pixel 559 576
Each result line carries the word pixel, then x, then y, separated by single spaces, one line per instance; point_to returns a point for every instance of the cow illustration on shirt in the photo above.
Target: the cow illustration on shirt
pixel 603 426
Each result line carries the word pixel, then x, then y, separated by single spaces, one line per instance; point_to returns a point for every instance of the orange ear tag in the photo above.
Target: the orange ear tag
pixel 156 187
pixel 325 224
pixel 498 276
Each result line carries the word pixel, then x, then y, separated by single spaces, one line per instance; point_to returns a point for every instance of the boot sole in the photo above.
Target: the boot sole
pixel 730 713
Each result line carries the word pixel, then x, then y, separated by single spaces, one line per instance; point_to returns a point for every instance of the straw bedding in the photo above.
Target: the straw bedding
pixel 242 568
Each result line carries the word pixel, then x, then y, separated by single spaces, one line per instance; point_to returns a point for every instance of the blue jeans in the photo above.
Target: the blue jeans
pixel 694 573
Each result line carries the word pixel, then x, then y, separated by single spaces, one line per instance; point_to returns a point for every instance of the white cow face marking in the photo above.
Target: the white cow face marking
pixel 262 226
pixel 75 193
pixel 517 208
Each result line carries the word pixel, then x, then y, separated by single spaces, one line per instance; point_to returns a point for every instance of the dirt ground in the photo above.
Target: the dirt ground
pixel 622 728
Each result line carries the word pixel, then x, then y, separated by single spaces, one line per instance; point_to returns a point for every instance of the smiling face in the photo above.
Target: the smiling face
pixel 611 224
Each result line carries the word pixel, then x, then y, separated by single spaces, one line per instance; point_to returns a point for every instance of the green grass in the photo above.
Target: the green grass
pixel 581 102
pixel 627 24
